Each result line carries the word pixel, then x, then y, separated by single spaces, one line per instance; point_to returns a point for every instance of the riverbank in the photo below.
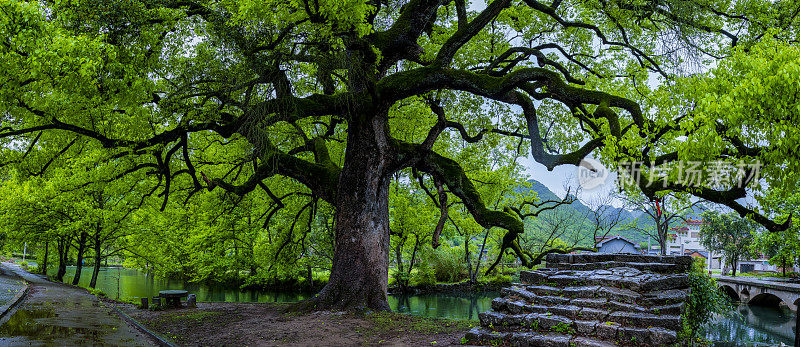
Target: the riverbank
pixel 266 324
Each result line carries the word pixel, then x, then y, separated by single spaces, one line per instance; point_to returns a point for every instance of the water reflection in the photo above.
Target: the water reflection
pixel 129 284
pixel 39 323
pixel 753 326
pixel 459 306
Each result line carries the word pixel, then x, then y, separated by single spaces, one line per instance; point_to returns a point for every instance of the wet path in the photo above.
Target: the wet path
pixel 10 285
pixel 59 315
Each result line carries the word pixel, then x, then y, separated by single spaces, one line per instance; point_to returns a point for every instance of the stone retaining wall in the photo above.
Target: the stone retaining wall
pixel 594 299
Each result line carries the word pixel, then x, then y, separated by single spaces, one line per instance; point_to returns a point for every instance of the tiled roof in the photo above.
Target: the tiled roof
pixel 636 245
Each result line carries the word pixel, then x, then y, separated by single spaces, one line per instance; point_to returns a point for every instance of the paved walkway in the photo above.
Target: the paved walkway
pixel 54 314
pixel 10 285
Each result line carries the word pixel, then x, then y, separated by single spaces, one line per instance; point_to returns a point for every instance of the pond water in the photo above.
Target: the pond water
pixel 129 284
pixel 752 326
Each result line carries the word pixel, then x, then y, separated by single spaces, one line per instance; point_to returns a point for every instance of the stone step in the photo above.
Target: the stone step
pixel 629 278
pixel 500 321
pixel 647 336
pixel 665 298
pixel 531 300
pixel 668 309
pixel 626 335
pixel 604 303
pixel 653 267
pixel 483 336
pixel 583 258
pixel 505 327
pixel 529 297
pixel 516 306
pixel 644 320
pixel 667 316
pixel 540 296
pixel 532 321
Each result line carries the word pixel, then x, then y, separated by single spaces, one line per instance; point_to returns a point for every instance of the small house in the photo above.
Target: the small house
pixel 618 244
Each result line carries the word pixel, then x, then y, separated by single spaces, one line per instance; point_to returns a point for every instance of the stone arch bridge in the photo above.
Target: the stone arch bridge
pixel 760 292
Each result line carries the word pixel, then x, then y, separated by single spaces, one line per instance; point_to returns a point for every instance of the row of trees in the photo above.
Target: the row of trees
pixel 737 238
pixel 70 216
pixel 312 106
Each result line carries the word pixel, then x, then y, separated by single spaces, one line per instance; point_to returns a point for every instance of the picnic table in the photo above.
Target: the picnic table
pixel 172 298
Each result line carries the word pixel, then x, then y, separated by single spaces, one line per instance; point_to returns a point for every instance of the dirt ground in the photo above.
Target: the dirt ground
pixel 263 324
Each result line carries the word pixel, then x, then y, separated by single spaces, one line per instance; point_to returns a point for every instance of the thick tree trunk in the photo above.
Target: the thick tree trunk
pixel 79 261
pixel 359 275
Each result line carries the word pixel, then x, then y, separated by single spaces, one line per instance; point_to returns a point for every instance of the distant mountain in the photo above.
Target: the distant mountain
pixel 578 208
pixel 625 228
pixel 541 190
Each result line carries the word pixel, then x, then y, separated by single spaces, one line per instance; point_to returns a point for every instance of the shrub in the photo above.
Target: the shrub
pixel 96 292
pixel 447 264
pixel 423 275
pixel 703 302
pixel 499 279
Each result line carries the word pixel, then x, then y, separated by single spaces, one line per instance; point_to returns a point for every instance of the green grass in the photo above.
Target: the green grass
pixel 385 323
pixel 182 316
pixel 768 274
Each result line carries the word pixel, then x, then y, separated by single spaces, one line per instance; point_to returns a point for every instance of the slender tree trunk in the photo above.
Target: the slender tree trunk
pixel 359 275
pixel 43 269
pixel 662 237
pixel 784 266
pixel 413 256
pixel 310 275
pixel 98 253
pixel 402 280
pixel 79 261
pixel 467 259
pixel 63 257
pixel 480 256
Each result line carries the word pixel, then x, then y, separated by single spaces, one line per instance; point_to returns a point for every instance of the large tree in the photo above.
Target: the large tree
pixel 339 95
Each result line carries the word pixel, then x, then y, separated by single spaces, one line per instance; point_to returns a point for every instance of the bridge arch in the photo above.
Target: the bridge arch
pixel 751 290
pixel 729 292
pixel 767 300
pixel 745 294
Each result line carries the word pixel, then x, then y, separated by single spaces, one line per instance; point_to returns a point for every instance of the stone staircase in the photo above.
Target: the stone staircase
pixel 594 299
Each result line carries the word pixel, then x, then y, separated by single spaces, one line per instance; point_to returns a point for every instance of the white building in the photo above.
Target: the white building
pixel 685 240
